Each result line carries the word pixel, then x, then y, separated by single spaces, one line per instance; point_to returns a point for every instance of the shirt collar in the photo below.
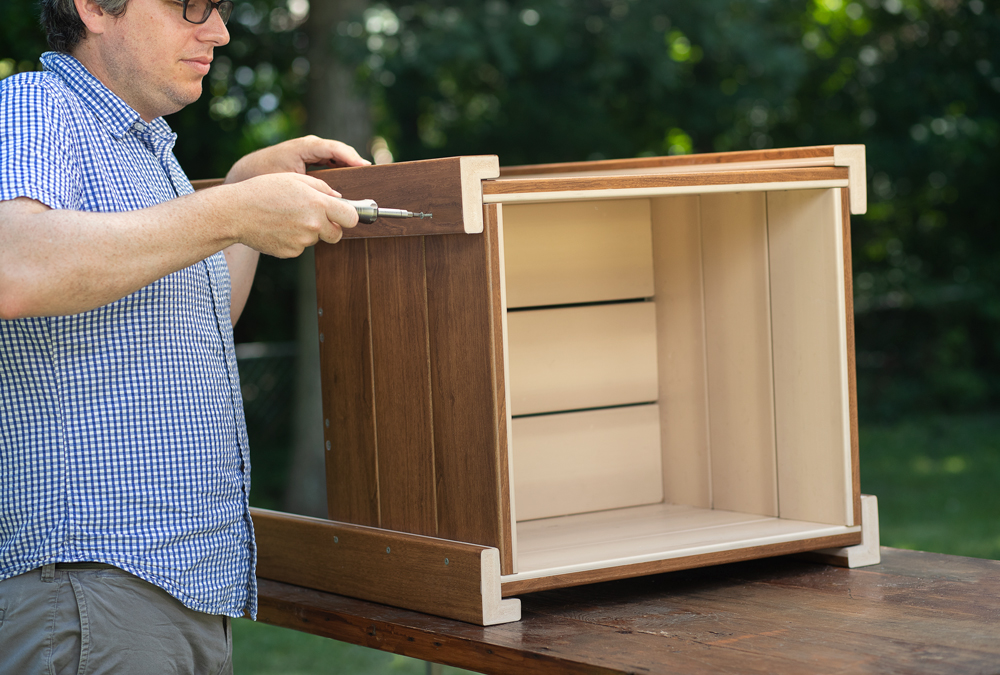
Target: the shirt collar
pixel 107 106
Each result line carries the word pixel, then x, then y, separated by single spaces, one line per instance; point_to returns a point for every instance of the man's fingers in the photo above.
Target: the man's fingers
pixel 331 233
pixel 316 184
pixel 342 213
pixel 325 151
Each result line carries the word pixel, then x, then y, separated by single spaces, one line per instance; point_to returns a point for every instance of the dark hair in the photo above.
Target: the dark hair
pixel 62 24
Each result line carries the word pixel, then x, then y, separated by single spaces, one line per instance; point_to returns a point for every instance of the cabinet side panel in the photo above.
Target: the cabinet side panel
pixel 402 385
pixel 466 416
pixel 347 387
pixel 493 228
pixel 575 252
pixel 810 356
pixel 738 341
pixel 680 330
pixel 448 187
pixel 852 375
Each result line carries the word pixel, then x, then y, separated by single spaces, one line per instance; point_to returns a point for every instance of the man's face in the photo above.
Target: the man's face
pixel 150 56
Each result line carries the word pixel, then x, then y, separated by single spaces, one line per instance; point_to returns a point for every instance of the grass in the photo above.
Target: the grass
pixel 936 479
pixel 260 649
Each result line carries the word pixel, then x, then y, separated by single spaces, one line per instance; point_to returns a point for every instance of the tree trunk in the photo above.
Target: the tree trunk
pixel 334 110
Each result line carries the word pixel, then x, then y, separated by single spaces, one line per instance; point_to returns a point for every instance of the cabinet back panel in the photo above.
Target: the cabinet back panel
pixel 570 358
pixel 570 253
pixel 738 345
pixel 810 356
pixel 586 461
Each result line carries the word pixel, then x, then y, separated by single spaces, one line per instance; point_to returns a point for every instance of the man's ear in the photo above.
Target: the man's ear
pixel 92 15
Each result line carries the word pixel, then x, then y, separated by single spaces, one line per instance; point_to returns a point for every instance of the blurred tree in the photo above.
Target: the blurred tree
pixel 917 81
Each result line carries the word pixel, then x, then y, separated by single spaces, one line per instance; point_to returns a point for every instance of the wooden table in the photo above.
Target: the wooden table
pixel 914 613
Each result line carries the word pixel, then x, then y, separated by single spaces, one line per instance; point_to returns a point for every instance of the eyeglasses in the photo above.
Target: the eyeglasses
pixel 198 11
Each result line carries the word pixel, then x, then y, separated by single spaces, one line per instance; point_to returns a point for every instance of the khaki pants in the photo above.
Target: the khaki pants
pixel 57 621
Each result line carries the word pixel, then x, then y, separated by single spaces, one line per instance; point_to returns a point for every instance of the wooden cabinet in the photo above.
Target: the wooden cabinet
pixel 582 372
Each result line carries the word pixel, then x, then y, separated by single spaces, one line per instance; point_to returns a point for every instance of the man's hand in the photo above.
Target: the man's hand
pixel 283 213
pixel 279 199
pixel 295 156
pixel 58 262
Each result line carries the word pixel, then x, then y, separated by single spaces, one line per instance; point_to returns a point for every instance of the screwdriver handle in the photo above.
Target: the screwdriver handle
pixel 367 209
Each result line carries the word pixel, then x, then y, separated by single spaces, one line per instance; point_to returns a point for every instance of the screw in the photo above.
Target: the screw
pixel 328 446
pixel 446 561
pixel 321 311
pixel 386 549
pixel 320 337
pixel 336 540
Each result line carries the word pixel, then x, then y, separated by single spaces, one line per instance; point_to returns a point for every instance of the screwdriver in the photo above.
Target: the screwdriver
pixel 369 211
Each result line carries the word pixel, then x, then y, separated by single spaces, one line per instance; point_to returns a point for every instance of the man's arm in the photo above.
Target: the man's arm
pixel 292 157
pixel 58 262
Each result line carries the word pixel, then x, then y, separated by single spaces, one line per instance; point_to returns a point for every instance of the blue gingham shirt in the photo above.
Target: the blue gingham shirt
pixel 122 437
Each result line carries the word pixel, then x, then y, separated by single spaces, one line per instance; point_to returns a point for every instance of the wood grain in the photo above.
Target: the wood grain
pixel 738 346
pixel 448 187
pixel 402 385
pixel 916 613
pixel 576 252
pixel 681 356
pixel 809 333
pixel 570 358
pixel 346 381
pixel 514 186
pixel 589 542
pixel 716 160
pixel 427 574
pixel 852 378
pixel 463 302
pixel 521 586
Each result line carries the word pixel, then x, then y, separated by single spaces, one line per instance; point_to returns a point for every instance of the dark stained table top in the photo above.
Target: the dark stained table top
pixel 914 613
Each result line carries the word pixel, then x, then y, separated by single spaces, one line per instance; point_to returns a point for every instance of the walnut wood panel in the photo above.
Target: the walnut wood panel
pixel 464 307
pixel 511 186
pixel 852 381
pixel 203 183
pixel 810 356
pixel 576 252
pixel 449 188
pixel 347 385
pixel 738 345
pixel 493 228
pixel 447 578
pixel 916 613
pixel 681 357
pixel 402 385
pixel 720 159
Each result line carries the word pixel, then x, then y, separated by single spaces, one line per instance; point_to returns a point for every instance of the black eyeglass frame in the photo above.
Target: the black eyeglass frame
pixel 223 7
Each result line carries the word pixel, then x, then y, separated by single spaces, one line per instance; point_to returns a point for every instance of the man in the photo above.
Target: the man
pixel 125 535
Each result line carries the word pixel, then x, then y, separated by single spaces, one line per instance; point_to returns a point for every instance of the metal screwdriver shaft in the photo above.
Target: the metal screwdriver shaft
pixel 369 211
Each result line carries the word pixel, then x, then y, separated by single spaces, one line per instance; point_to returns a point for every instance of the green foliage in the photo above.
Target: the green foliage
pixel 935 478
pixel 916 81
pixel 260 649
